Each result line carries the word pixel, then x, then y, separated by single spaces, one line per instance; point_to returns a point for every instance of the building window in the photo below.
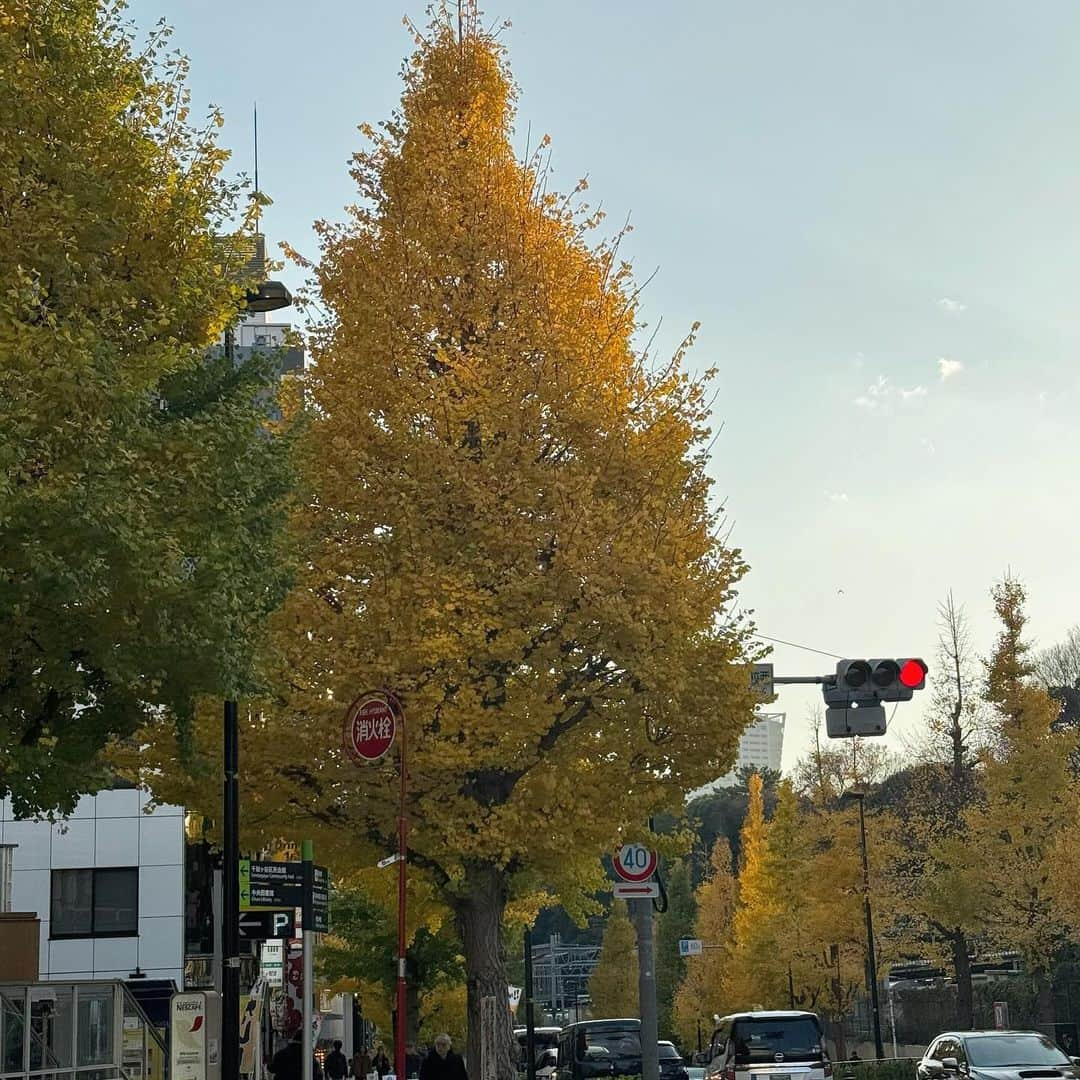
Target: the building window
pixel 95 903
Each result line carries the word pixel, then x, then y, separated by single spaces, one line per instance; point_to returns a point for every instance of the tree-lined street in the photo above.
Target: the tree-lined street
pixel 465 588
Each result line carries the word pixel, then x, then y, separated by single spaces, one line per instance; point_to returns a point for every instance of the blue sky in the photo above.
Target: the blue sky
pixel 853 197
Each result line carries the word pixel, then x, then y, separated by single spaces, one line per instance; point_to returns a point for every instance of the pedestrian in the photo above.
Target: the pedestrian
pixel 286 1063
pixel 442 1063
pixel 336 1064
pixel 413 1061
pixel 361 1063
pixel 381 1064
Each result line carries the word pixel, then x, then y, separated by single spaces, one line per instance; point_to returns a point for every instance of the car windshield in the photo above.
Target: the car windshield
pixel 668 1052
pixel 999 1051
pixel 761 1039
pixel 605 1043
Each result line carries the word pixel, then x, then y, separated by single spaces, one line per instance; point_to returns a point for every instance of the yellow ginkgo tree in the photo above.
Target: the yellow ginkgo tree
pixel 509 525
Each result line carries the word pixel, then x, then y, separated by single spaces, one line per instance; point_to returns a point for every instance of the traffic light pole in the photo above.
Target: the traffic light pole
pixel 871 960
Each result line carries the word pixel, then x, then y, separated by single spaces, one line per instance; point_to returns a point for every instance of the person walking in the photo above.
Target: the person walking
pixel 336 1065
pixel 286 1063
pixel 361 1063
pixel 381 1064
pixel 442 1063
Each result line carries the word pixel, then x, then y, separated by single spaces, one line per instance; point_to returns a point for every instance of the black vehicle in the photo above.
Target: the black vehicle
pixel 599 1048
pixel 773 1044
pixel 995 1055
pixel 544 1038
pixel 672 1066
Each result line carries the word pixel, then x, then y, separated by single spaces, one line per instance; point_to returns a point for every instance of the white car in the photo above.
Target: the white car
pixel 546 1063
pixel 768 1046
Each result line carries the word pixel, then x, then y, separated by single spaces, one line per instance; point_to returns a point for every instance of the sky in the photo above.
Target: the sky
pixel 870 207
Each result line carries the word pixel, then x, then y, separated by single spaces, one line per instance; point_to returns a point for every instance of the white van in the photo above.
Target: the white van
pixel 768 1046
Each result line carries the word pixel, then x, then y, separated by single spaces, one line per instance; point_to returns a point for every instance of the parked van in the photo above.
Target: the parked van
pixel 768 1046
pixel 599 1048
pixel 544 1038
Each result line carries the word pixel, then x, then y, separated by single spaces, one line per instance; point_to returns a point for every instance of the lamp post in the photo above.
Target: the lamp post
pixel 269 296
pixel 871 961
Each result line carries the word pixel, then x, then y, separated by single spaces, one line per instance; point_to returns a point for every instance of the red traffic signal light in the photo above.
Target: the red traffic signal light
pixel 913 673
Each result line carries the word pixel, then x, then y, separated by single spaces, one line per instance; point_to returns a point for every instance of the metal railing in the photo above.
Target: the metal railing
pixel 77 1031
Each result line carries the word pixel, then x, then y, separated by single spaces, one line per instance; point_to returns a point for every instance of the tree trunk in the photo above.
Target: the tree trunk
pixel 1044 996
pixel 965 1003
pixel 479 912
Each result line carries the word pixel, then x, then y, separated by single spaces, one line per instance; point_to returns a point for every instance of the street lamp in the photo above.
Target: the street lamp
pixel 268 296
pixel 871 962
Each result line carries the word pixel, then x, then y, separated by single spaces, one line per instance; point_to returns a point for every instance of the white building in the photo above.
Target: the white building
pixel 762 745
pixel 106 883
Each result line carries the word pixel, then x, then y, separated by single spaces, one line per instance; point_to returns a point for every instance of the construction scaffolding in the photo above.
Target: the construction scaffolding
pixel 561 978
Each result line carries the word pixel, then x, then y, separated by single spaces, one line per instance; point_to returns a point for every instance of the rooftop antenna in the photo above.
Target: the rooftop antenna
pixel 258 209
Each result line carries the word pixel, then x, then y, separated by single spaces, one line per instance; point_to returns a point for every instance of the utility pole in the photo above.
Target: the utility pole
pixel 650 1055
pixel 230 907
pixel 530 1019
pixel 552 943
pixel 871 960
pixel 307 854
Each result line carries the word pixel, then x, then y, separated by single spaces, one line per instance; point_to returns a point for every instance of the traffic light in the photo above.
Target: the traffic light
pixel 897 680
pixel 855 696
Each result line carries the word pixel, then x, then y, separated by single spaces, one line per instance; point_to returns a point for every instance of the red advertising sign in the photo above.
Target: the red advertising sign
pixel 370 727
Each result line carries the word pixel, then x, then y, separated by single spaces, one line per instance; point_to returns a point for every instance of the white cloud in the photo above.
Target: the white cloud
pixel 929 446
pixel 953 307
pixel 881 393
pixel 948 368
pixel 837 496
pixel 876 394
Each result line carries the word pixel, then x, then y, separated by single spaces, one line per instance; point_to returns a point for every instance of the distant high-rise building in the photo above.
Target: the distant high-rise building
pixel 761 746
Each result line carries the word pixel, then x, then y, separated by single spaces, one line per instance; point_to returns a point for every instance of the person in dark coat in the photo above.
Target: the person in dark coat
pixel 336 1065
pixel 381 1064
pixel 286 1062
pixel 442 1063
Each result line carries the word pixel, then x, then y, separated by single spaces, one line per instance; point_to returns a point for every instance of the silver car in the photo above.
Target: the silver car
pixel 995 1055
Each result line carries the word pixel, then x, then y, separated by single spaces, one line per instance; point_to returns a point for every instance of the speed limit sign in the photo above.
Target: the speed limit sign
pixel 635 862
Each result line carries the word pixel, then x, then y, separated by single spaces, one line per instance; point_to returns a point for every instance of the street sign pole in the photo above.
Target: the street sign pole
pixel 403 836
pixel 650 1063
pixel 230 927
pixel 372 723
pixel 307 853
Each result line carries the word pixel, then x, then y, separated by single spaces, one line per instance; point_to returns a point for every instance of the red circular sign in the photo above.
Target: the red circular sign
pixel 370 727
pixel 635 862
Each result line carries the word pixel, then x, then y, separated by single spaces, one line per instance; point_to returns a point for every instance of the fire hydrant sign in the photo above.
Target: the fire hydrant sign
pixel 370 727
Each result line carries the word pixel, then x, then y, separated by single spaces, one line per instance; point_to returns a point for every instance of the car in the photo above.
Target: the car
pixel 546 1063
pixel 595 1048
pixel 762 1045
pixel 995 1055
pixel 544 1038
pixel 672 1066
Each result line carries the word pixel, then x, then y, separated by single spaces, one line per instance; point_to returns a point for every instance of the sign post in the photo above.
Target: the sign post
pixel 371 726
pixel 307 850
pixel 635 864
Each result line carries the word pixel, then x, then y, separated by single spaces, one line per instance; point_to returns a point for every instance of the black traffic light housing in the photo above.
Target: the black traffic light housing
pixel 855 696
